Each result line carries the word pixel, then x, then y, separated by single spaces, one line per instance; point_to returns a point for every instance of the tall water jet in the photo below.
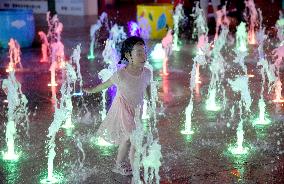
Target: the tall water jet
pixel 110 54
pixel 217 71
pixel 55 28
pixel 14 55
pixel 94 28
pixel 17 114
pixel 178 17
pixel 252 20
pixel 201 29
pixel 61 114
pixel 117 34
pixel 221 20
pixel 240 84
pixel 278 55
pixel 74 61
pixel 147 153
pixel 241 38
pixel 280 28
pixel 200 24
pixel 104 75
pixel 261 37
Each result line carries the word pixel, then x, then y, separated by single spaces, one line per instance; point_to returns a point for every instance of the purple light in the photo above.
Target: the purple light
pixel 133 28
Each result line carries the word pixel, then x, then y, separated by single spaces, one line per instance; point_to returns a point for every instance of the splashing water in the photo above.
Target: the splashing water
pixel 62 114
pixel 151 160
pixel 14 55
pixel 145 28
pixel 261 104
pixel 17 112
pixel 147 155
pixel 280 28
pixel 200 25
pixel 278 90
pixel 278 55
pixel 136 140
pixel 221 20
pixel 117 34
pixel 158 52
pixel 189 109
pixel 253 20
pixel 145 114
pixel 240 84
pixel 104 75
pixel 177 17
pixel 241 38
pixel 75 59
pixel 94 28
pixel 110 55
pixel 133 28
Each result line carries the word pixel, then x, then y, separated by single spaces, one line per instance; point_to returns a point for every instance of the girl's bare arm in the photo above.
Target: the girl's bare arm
pixel 99 87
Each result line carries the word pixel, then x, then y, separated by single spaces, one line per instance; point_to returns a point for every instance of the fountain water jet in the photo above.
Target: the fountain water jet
pixel 178 17
pixel 240 84
pixel 14 55
pixel 252 21
pixel 94 28
pixel 241 38
pixel 17 112
pixel 217 71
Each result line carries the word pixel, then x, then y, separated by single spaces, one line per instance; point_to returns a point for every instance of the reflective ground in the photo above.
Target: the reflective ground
pixel 200 158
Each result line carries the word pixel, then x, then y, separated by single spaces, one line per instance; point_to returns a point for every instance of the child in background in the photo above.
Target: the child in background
pixel 131 82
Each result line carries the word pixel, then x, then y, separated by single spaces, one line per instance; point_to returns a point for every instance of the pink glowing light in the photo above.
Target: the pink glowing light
pixel 14 55
pixel 278 54
pixel 197 75
pixel 253 21
pixel 278 89
pixel 221 20
pixel 44 47
pixel 167 43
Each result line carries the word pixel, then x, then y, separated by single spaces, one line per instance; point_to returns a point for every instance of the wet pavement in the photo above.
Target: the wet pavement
pixel 200 158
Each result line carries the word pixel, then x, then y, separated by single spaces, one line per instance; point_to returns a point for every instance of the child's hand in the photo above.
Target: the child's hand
pixel 87 90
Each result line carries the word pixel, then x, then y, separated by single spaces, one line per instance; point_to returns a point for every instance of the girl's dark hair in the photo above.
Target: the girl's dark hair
pixel 128 45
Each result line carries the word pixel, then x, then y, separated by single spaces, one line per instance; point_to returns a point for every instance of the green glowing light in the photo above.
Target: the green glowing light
pixel 212 107
pixel 238 150
pixel 91 56
pixel 103 146
pixel 261 122
pixel 11 156
pixel 101 142
pixel 156 65
pixel 56 178
pixel 68 124
pixel 187 132
pixel 176 47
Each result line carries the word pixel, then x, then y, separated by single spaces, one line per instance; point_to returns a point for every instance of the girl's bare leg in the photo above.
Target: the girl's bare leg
pixel 131 155
pixel 122 151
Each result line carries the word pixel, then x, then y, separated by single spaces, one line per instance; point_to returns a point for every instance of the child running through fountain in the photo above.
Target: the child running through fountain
pixel 131 81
